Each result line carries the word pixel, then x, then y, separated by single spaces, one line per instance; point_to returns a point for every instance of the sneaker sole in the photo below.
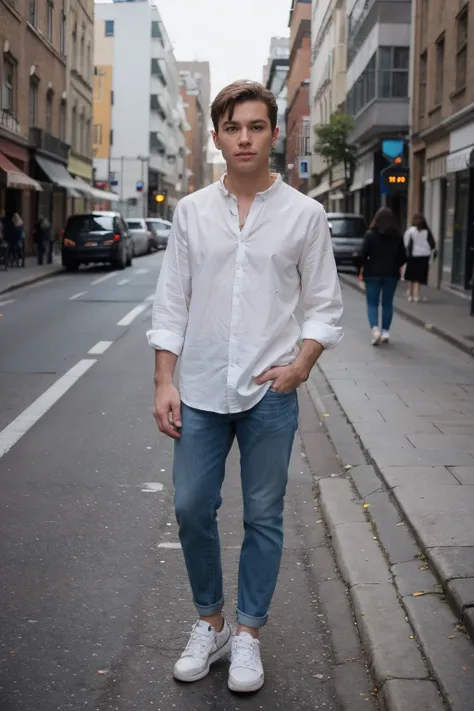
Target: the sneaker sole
pixel 222 652
pixel 248 688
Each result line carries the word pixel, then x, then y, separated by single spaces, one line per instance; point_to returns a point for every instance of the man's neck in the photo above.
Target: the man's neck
pixel 250 184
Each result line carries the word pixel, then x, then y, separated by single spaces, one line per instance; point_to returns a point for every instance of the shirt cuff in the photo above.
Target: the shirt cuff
pixel 327 336
pixel 162 340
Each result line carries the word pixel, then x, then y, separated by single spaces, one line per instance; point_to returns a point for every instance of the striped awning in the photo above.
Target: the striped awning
pixel 16 179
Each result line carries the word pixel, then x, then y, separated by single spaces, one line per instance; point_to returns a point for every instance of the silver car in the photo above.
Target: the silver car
pixel 141 236
pixel 160 230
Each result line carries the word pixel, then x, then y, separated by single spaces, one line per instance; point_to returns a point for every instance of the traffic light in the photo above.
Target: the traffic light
pixel 160 197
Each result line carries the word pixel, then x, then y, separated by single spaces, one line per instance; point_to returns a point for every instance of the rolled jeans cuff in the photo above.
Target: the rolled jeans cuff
pixel 252 622
pixel 210 610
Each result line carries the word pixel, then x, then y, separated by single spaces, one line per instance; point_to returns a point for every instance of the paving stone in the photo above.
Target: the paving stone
pixel 358 556
pixel 462 592
pixel 453 662
pixel 339 503
pixel 408 456
pixel 365 480
pixel 465 475
pixel 440 516
pixel 468 621
pixel 452 561
pixel 392 532
pixel 420 476
pixel 447 428
pixel 410 579
pixel 336 605
pixel 321 564
pixel 408 425
pixel 386 439
pixel 386 634
pixel 441 441
pixel 410 695
pixel 354 687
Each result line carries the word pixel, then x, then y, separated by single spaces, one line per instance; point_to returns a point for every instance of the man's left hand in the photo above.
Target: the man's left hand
pixel 286 378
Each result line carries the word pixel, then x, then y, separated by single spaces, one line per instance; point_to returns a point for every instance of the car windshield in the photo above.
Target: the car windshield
pixel 90 223
pixel 134 224
pixel 349 227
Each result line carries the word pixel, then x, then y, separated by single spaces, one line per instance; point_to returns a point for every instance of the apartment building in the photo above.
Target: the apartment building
pixel 195 89
pixel 275 76
pixel 442 183
pixel 328 92
pixel 298 120
pixel 378 65
pixel 201 73
pixel 138 137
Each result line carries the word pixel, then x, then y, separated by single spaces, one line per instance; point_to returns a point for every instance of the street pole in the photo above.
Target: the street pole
pixel 122 158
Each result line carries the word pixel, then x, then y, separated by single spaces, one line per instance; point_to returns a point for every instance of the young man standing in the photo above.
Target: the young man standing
pixel 240 254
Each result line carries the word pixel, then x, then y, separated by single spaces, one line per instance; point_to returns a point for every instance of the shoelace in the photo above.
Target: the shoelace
pixel 243 653
pixel 197 642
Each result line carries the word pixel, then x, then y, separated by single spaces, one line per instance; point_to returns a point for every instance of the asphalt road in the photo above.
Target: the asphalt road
pixel 94 601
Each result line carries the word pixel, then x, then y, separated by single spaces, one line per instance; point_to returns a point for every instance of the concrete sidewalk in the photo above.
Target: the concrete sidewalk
pixel 445 313
pixel 16 277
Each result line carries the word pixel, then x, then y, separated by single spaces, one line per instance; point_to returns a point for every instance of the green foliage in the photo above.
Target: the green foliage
pixel 333 140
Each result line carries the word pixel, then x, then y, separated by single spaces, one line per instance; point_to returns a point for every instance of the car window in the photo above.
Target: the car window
pixel 349 227
pixel 135 224
pixel 89 223
pixel 117 225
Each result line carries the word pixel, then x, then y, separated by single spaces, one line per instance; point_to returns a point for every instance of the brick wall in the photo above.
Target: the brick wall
pixel 297 110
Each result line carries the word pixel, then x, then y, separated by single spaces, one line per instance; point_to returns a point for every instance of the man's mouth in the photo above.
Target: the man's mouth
pixel 246 154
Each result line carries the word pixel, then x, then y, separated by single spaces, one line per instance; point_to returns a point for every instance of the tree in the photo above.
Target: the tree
pixel 333 145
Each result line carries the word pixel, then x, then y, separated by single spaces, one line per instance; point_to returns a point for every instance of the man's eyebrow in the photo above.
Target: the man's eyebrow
pixel 231 123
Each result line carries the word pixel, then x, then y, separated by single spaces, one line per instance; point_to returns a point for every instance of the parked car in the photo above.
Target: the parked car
pixel 160 230
pixel 96 237
pixel 141 235
pixel 347 233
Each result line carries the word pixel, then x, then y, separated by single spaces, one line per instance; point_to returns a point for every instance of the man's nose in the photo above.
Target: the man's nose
pixel 244 136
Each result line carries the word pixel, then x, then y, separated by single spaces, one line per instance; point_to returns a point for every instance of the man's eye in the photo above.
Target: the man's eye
pixel 231 129
pixel 258 128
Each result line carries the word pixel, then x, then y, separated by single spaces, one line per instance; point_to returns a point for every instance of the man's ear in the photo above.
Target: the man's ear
pixel 215 138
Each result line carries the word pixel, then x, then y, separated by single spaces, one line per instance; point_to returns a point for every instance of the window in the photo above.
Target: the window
pixel 111 137
pixel 438 98
pixel 88 72
pixel 461 49
pixel 49 110
pixel 62 31
pixel 73 128
pixel 33 102
pixel 97 137
pixel 32 12
pixel 74 48
pixel 81 135
pixel 49 20
pixel 80 66
pixel 155 30
pixel 62 121
pixel 8 89
pixel 393 74
pixel 109 28
pixel 99 85
pixel 423 74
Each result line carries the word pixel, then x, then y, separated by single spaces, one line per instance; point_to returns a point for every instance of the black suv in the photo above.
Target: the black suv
pixel 96 237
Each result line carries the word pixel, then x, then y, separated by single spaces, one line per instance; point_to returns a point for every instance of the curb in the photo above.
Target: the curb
pixel 31 280
pixel 417 320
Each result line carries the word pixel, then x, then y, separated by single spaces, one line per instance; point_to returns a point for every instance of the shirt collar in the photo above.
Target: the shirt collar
pixel 263 195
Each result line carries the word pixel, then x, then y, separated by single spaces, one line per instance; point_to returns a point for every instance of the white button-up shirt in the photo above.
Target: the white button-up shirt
pixel 226 298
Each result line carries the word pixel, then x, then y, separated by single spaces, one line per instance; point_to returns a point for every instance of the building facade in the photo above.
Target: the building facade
pixel 378 67
pixel 442 184
pixel 201 73
pixel 195 92
pixel 276 76
pixel 298 120
pixel 328 92
pixel 143 151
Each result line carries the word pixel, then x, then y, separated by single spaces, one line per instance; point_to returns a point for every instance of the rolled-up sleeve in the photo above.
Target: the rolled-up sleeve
pixel 321 291
pixel 173 291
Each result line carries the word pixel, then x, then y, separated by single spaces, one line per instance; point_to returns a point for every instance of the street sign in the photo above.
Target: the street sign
pixel 303 171
pixel 394 179
pixel 140 186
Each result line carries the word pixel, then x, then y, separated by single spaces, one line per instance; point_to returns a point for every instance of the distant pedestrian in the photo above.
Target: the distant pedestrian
pixel 241 253
pixel 19 239
pixel 420 246
pixel 42 237
pixel 383 256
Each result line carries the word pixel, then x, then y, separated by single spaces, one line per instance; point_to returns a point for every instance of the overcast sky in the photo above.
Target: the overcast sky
pixel 233 36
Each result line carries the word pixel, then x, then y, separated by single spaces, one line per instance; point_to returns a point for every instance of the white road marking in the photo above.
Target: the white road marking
pixel 8 301
pixel 132 315
pixel 76 296
pixel 29 417
pixel 170 546
pixel 122 282
pixel 100 348
pixel 152 487
pixel 150 298
pixel 142 271
pixel 103 278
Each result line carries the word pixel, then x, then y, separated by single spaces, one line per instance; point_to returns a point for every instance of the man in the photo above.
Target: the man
pixel 240 254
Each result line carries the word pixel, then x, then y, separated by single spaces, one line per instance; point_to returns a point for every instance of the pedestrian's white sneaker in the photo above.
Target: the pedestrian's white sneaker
pixel 205 646
pixel 385 338
pixel 376 336
pixel 410 298
pixel 246 670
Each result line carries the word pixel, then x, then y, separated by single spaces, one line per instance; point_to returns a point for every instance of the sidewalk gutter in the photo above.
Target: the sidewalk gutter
pixel 460 343
pixel 28 280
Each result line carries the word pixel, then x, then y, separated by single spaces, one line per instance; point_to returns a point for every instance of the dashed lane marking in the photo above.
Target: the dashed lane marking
pixel 8 301
pixel 103 278
pixel 100 348
pixel 142 271
pixel 152 487
pixel 132 315
pixel 122 282
pixel 77 296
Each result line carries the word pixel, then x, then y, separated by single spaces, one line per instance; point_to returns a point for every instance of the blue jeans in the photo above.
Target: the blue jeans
pixel 374 286
pixel 265 435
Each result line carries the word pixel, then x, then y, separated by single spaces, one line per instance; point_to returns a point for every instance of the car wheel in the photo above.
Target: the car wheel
pixel 129 259
pixel 121 262
pixel 71 266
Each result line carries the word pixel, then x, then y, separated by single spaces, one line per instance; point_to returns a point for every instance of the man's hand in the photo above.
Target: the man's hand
pixel 286 378
pixel 167 410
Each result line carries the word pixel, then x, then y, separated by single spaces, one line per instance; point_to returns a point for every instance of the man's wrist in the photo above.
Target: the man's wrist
pixel 162 381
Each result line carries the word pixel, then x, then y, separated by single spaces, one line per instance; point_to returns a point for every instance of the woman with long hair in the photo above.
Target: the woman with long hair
pixel 420 247
pixel 383 255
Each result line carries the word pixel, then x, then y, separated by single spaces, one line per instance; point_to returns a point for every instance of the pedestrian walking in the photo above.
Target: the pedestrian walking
pixel 421 248
pixel 241 252
pixel 19 239
pixel 42 237
pixel 383 256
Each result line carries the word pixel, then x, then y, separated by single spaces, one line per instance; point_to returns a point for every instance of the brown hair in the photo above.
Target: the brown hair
pixel 237 93
pixel 384 221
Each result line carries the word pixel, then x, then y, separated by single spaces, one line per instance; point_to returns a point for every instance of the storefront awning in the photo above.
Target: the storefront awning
pixel 16 179
pixel 95 192
pixel 58 175
pixel 322 188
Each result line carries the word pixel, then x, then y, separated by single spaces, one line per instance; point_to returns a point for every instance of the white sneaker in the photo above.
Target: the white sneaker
pixel 205 646
pixel 376 336
pixel 385 337
pixel 246 670
pixel 410 298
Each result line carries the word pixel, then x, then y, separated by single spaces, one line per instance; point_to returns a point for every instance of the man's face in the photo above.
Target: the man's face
pixel 246 139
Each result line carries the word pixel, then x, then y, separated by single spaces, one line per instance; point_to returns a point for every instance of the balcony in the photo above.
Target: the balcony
pixel 44 141
pixel 157 71
pixel 156 104
pixel 381 116
pixel 9 123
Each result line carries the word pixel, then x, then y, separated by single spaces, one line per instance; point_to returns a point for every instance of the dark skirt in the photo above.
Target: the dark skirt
pixel 417 269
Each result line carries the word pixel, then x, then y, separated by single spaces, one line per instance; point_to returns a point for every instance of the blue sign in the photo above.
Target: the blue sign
pixel 140 186
pixel 304 168
pixel 393 148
